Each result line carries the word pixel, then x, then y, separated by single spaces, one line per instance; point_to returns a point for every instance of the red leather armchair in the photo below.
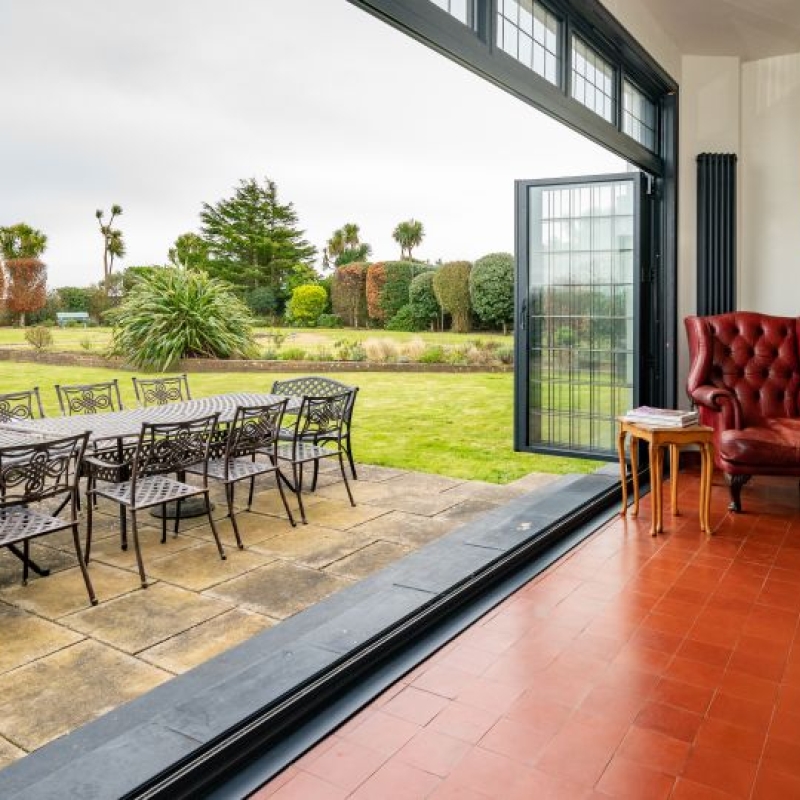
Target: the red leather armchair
pixel 744 377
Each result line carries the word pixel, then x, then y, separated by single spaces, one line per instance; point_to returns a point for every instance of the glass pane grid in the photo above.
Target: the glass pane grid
pixel 593 80
pixel 528 32
pixel 581 314
pixel 462 10
pixel 638 116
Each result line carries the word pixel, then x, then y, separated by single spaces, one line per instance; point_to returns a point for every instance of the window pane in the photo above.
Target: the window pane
pixel 528 32
pixel 592 80
pixel 462 10
pixel 638 115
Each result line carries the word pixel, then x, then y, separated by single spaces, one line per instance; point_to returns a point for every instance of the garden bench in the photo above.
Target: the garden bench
pixel 63 317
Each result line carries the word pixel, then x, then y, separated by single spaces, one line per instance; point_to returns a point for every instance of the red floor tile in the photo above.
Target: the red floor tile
pixel 634 668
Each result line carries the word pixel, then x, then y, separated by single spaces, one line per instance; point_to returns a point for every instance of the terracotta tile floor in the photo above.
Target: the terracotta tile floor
pixel 197 605
pixel 634 668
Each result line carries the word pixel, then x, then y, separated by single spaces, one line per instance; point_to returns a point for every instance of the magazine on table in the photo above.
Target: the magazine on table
pixel 667 417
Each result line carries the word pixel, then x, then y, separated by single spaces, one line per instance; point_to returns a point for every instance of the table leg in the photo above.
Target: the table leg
pixel 622 475
pixel 634 445
pixel 655 489
pixel 43 571
pixel 674 466
pixel 660 489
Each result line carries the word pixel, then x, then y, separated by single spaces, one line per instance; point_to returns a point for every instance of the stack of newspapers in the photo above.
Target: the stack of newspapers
pixel 662 417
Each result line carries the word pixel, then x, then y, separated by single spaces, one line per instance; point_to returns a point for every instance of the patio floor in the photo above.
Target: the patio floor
pixel 64 663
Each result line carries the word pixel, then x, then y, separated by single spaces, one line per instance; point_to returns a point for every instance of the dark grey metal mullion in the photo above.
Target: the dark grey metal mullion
pixel 566 59
pixel 521 332
pixel 485 21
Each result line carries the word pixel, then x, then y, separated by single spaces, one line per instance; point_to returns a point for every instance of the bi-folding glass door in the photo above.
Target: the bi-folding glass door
pixel 583 300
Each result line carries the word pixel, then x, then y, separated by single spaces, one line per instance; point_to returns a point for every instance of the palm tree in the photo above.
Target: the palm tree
pixel 408 235
pixel 113 244
pixel 345 246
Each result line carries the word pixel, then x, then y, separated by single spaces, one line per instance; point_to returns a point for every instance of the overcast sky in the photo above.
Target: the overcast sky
pixel 160 105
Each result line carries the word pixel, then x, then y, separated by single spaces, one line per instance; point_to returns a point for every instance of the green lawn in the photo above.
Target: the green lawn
pixel 456 425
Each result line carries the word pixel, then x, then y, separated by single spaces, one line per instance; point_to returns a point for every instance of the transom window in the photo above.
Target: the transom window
pixel 460 9
pixel 527 31
pixel 593 80
pixel 638 116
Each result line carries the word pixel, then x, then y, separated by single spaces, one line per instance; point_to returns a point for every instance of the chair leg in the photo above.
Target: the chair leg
pixel 163 523
pixel 298 490
pixel 315 476
pixel 349 450
pixel 123 527
pixel 82 564
pixel 285 501
pixel 232 515
pixel 735 483
pixel 89 521
pixel 177 517
pixel 138 549
pixel 344 478
pixel 214 527
pixel 26 560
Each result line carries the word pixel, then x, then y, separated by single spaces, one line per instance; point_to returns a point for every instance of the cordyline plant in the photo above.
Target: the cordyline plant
pixel 172 314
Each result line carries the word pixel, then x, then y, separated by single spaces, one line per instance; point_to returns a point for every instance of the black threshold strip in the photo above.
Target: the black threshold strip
pixel 227 726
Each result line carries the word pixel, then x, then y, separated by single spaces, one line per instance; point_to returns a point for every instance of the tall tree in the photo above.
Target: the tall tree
pixel 253 239
pixel 113 243
pixel 408 235
pixel 26 283
pixel 345 247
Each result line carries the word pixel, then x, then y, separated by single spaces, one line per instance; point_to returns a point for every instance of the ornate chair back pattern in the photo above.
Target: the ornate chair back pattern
pixel 254 428
pixel 167 447
pixel 322 418
pixel 21 405
pixel 34 472
pixel 310 385
pixel 160 391
pixel 92 398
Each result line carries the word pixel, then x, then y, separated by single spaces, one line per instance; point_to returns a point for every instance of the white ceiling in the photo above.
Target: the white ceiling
pixel 750 29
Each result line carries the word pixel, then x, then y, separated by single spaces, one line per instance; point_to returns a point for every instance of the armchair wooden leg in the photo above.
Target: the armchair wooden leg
pixel 735 483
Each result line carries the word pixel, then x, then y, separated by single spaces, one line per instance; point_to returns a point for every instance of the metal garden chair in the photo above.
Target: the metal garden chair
pixel 163 449
pixel 319 432
pixel 160 391
pixel 15 406
pixel 254 429
pixel 89 398
pixel 318 386
pixel 41 472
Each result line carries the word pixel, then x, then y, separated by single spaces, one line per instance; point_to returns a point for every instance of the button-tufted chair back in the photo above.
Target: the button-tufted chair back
pixel 753 355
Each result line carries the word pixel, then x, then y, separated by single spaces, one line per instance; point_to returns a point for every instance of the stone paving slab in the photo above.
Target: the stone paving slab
pixel 8 753
pixel 25 637
pixel 368 560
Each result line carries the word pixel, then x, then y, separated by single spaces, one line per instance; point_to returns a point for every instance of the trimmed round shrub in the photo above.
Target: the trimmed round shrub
pixel 329 321
pixel 172 314
pixel 376 279
pixel 262 301
pixel 397 285
pixel 306 304
pixel 491 289
pixel 405 320
pixel 424 305
pixel 451 285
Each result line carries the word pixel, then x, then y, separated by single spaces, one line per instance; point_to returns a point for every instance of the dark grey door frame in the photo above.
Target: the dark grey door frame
pixel 475 50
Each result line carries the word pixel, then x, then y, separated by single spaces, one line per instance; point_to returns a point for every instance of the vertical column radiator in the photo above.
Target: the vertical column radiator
pixel 716 233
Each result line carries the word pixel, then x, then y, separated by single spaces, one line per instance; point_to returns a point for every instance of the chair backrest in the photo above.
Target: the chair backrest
pixel 316 386
pixel 40 470
pixel 89 398
pixel 21 405
pixel 322 418
pixel 166 447
pixel 160 391
pixel 754 356
pixel 254 428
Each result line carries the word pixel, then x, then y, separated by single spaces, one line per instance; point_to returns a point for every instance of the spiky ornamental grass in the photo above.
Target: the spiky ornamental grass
pixel 171 314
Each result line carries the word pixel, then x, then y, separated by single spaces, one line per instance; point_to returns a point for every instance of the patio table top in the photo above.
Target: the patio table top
pixel 128 422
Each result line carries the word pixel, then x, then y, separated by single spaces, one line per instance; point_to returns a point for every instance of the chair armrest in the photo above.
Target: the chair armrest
pixel 719 401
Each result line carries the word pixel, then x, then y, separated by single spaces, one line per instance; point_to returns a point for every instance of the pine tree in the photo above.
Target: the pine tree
pixel 253 239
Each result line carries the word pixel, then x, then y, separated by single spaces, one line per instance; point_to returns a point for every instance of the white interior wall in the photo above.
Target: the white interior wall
pixel 769 172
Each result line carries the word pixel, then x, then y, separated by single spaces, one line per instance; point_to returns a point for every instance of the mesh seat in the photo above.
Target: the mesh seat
pixel 162 449
pixel 318 386
pixel 254 429
pixel 38 473
pixel 319 432
pixel 160 391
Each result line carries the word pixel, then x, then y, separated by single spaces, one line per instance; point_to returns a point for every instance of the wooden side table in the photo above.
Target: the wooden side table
pixel 658 438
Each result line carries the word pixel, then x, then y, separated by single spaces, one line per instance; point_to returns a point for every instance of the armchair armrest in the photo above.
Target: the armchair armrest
pixel 719 401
